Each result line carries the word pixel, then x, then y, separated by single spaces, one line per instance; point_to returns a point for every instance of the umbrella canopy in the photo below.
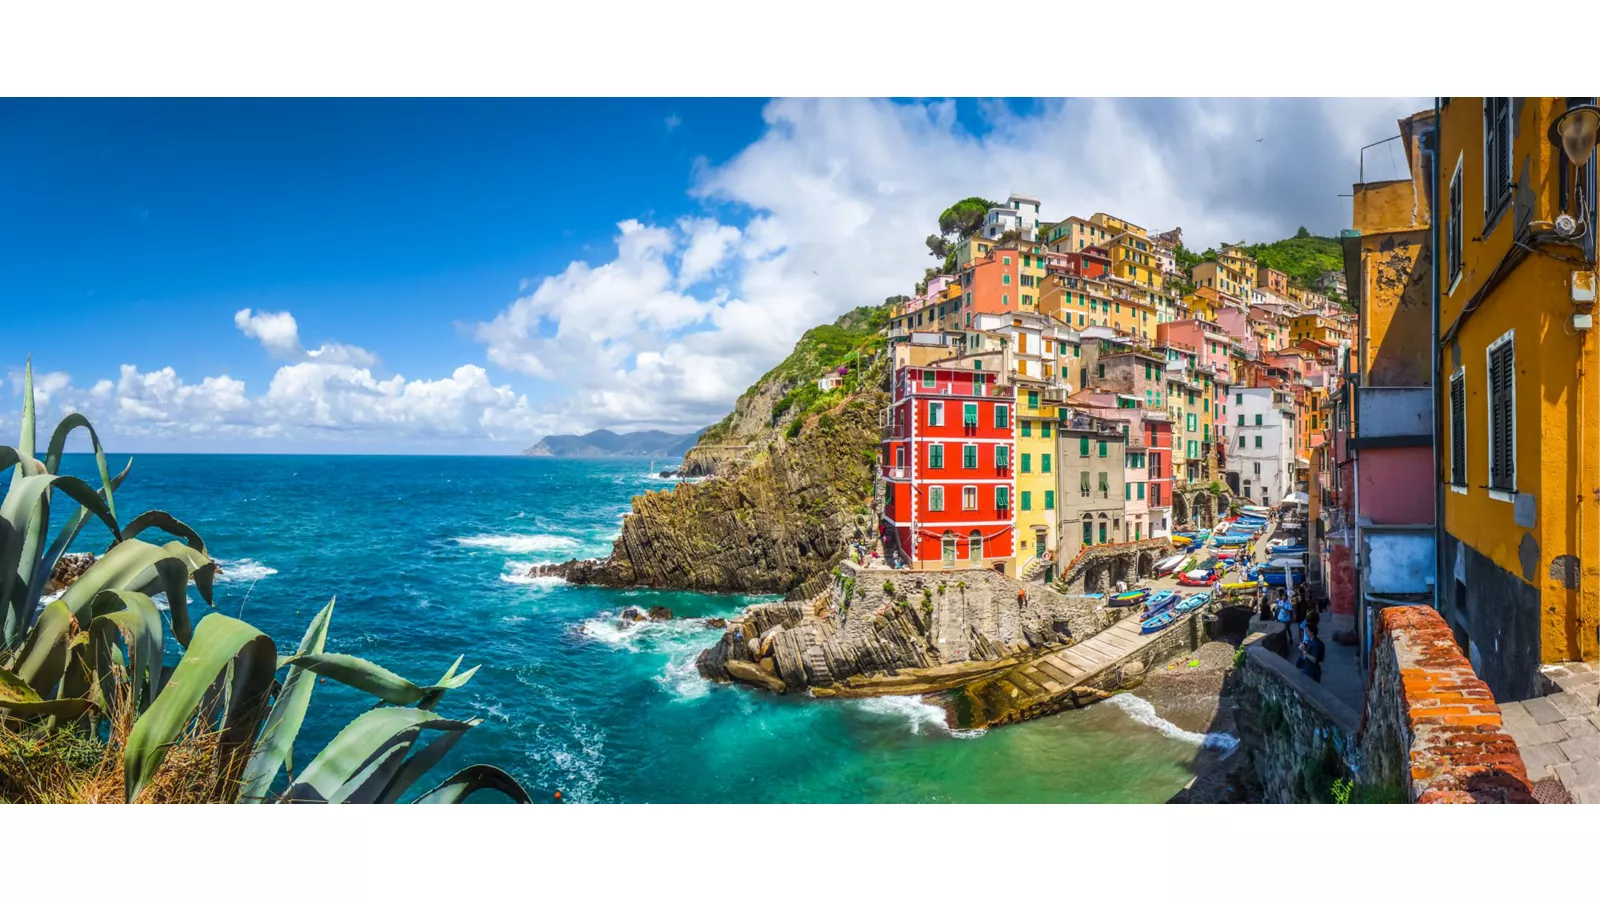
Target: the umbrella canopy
pixel 1298 498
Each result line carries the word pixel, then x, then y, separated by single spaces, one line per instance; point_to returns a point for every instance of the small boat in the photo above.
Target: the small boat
pixel 1192 602
pixel 1157 622
pixel 1298 548
pixel 1178 541
pixel 1276 578
pixel 1240 586
pixel 1158 604
pixel 1128 598
pixel 1256 510
pixel 1170 564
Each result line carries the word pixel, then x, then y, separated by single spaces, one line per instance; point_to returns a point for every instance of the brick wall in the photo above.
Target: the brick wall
pixel 1431 726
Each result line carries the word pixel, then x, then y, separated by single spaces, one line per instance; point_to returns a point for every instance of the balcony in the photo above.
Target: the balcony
pixel 898 473
pixel 954 389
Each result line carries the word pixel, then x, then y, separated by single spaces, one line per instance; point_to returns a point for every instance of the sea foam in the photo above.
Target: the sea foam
pixel 518 543
pixel 243 570
pixel 918 714
pixel 1144 712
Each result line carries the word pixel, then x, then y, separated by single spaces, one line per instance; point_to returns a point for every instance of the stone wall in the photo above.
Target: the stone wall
pixel 1431 725
pixel 1298 735
pixel 1430 731
pixel 1099 568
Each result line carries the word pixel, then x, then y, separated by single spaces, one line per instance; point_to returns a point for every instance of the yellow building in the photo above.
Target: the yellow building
pixel 1131 260
pixel 1316 328
pixel 1235 259
pixel 1225 279
pixel 1038 405
pixel 1518 389
pixel 1073 234
pixel 1114 226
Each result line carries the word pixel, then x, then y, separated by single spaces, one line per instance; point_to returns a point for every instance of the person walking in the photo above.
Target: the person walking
pixel 1312 652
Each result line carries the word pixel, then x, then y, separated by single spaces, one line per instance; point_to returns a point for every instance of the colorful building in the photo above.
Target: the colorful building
pixel 948 466
pixel 1092 471
pixel 1038 405
pixel 1517 385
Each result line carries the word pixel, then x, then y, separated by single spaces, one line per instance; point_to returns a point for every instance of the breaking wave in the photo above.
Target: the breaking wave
pixel 242 570
pixel 917 714
pixel 518 543
pixel 1144 712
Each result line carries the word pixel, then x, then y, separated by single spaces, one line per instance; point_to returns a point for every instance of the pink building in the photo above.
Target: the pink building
pixel 1207 340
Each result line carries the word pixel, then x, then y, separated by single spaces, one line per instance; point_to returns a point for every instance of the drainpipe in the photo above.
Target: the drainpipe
pixel 1433 348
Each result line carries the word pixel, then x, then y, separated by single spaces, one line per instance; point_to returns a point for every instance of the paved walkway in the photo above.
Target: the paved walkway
pixel 1559 734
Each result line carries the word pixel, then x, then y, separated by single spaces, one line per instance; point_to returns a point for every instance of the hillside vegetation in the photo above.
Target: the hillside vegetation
pixel 1304 257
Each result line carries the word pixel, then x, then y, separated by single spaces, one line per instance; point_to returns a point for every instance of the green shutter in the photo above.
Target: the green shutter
pixel 1044 462
pixel 1027 428
pixel 1083 446
pixel 1027 500
pixel 1027 462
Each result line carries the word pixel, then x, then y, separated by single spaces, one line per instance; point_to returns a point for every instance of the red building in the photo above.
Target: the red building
pixel 947 456
pixel 1158 453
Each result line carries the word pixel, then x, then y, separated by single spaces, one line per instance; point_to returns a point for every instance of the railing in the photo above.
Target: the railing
pixel 900 472
pixel 956 389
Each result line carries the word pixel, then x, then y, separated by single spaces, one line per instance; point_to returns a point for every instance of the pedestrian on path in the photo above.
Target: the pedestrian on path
pixel 1312 652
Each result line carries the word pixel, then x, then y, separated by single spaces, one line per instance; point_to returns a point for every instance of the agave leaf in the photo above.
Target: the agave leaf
pixel 69 531
pixel 368 735
pixel 165 521
pixel 367 784
pixel 27 511
pixel 173 576
pixel 25 443
pixel 431 698
pixel 18 699
pixel 137 622
pixel 276 745
pixel 43 659
pixel 417 765
pixel 58 445
pixel 375 679
pixel 468 781
pixel 218 642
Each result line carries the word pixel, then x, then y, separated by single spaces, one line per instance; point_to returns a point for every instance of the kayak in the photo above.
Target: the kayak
pixel 1258 510
pixel 1240 585
pixel 1278 579
pixel 1193 602
pixel 1157 622
pixel 1181 541
pixel 1128 598
pixel 1300 548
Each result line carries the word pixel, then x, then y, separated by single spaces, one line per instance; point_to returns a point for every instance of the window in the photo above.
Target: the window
pixel 1002 497
pixel 1049 499
pixel 1141 490
pixel 1502 414
pixel 935 456
pixel 1127 491
pixel 1088 531
pixel 1105 485
pixel 1258 468
pixel 1083 483
pixel 969 456
pixel 1102 448
pixel 927 378
pixel 1005 279
pixel 1496 156
pixel 1083 446
pixel 1241 419
pixel 1033 399
pixel 969 497
pixel 936 499
pixel 1044 462
pixel 1258 441
pixel 1258 420
pixel 969 415
pixel 975 544
pixel 1241 440
pixel 1452 229
pixel 1102 532
pixel 935 413
pixel 1002 416
pixel 1002 456
pixel 1027 431
pixel 1026 500
pixel 1044 429
pixel 1458 428
pixel 1238 398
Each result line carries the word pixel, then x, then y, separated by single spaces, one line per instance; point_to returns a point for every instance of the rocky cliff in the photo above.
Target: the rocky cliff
pixel 791 479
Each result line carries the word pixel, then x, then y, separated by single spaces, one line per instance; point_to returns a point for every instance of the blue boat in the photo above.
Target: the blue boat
pixel 1192 602
pixel 1159 604
pixel 1299 548
pixel 1128 598
pixel 1158 621
pixel 1276 578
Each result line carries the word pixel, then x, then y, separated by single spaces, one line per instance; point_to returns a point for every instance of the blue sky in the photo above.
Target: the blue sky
pixel 467 275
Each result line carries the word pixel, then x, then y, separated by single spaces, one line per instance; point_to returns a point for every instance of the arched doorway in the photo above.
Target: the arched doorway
pixel 1232 478
pixel 1180 511
pixel 975 545
pixel 1202 509
pixel 1147 564
pixel 1121 570
pixel 948 546
pixel 1041 541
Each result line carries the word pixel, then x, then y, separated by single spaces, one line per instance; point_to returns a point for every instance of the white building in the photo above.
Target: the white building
pixel 1034 346
pixel 1019 214
pixel 1261 447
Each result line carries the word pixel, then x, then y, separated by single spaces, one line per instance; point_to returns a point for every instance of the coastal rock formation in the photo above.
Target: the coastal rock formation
pixel 763 529
pixel 69 568
pixel 926 631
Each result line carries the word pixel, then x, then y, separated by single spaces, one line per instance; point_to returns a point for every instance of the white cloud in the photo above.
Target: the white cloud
pixel 828 209
pixel 279 335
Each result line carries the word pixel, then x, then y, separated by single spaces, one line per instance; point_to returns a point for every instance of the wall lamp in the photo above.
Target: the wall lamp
pixel 1575 132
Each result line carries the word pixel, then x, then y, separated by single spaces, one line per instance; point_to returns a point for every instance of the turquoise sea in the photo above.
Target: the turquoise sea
pixel 426 556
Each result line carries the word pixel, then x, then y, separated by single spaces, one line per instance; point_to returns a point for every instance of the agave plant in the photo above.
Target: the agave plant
pixel 95 654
